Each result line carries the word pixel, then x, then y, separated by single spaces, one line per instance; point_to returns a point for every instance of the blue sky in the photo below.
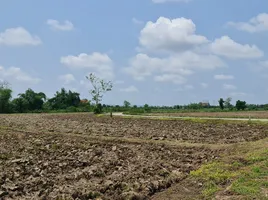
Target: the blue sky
pixel 160 52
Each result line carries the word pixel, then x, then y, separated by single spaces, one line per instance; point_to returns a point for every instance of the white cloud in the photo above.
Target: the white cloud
pixel 226 47
pixel 223 77
pixel 16 74
pixel 176 79
pixel 167 1
pixel 170 35
pixel 254 25
pixel 56 25
pixel 136 21
pixel 129 89
pixel 229 87
pixel 67 78
pixel 204 85
pixel 181 64
pixel 18 37
pixel 99 63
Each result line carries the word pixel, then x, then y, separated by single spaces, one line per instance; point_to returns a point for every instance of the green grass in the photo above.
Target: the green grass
pixel 244 173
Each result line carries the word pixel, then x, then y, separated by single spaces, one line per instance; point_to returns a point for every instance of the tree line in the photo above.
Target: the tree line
pixel 69 101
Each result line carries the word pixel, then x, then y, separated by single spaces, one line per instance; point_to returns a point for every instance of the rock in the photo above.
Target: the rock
pixel 114 148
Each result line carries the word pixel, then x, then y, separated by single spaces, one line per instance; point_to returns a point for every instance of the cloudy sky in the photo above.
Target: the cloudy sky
pixel 161 52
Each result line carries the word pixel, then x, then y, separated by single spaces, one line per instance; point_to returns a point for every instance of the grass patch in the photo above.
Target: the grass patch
pixel 243 173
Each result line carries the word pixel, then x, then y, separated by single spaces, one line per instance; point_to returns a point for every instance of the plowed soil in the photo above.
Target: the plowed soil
pixel 78 156
pixel 241 114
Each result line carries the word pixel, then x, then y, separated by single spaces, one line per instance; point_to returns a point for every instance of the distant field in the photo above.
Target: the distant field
pixel 242 114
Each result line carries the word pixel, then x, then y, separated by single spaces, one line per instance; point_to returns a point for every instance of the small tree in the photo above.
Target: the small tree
pixel 227 102
pixel 127 104
pixel 241 105
pixel 99 88
pixel 221 103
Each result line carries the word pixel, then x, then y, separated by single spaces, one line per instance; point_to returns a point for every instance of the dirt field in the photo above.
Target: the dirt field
pixel 242 114
pixel 78 156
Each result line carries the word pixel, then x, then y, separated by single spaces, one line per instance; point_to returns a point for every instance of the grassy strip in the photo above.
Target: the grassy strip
pixel 244 174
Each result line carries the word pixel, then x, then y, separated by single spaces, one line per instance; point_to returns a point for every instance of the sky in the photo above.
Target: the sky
pixel 159 52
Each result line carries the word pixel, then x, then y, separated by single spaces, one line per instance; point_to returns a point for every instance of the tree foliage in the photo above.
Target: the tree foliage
pixel 241 105
pixel 33 101
pixel 5 97
pixel 221 103
pixel 63 100
pixel 227 103
pixel 127 104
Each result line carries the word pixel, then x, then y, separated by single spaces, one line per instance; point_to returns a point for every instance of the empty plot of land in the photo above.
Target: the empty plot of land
pixel 79 156
pixel 174 130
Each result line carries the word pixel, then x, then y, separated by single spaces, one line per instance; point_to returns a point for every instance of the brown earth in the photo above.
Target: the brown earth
pixel 241 114
pixel 174 130
pixel 78 156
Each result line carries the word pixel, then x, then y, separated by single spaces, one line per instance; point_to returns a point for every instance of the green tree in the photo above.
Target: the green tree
pixel 221 103
pixel 35 100
pixel 241 105
pixel 20 105
pixel 99 88
pixel 227 103
pixel 127 104
pixel 147 108
pixel 5 96
pixel 64 99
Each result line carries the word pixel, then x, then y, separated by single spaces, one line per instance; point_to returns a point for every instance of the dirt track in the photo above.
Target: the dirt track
pixel 65 157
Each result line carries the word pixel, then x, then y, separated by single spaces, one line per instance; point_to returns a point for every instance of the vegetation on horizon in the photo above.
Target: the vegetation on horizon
pixel 69 101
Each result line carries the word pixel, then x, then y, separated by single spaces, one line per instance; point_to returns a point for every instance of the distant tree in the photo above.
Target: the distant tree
pixel 127 104
pixel 64 99
pixel 227 102
pixel 20 105
pixel 241 105
pixel 221 103
pixel 5 96
pixel 99 88
pixel 34 100
pixel 147 108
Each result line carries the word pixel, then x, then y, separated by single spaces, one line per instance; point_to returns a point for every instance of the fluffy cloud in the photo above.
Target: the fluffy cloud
pixel 16 74
pixel 167 1
pixel 229 87
pixel 255 24
pixel 228 48
pixel 18 37
pixel 129 89
pixel 182 64
pixel 170 35
pixel 223 77
pixel 56 25
pixel 96 62
pixel 67 78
